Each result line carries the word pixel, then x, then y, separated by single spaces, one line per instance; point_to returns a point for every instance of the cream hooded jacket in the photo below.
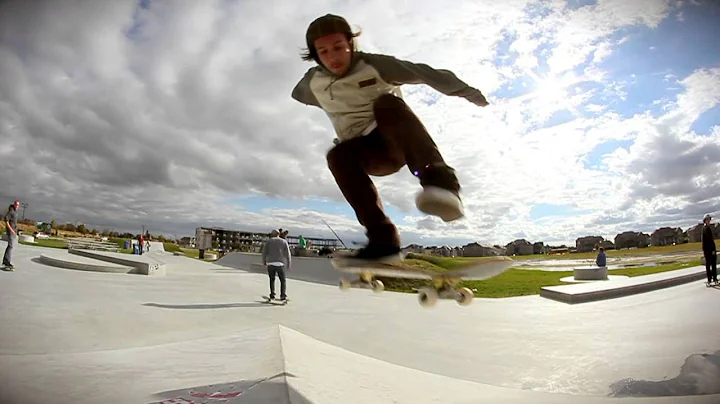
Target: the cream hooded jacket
pixel 348 100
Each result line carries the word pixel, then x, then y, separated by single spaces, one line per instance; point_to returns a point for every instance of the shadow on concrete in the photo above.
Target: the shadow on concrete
pixel 203 306
pixel 273 389
pixel 699 375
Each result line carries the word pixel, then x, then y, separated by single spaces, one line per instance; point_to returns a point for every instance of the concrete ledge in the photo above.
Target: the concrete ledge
pixel 84 264
pixel 144 264
pixel 594 291
pixel 590 273
pixel 610 278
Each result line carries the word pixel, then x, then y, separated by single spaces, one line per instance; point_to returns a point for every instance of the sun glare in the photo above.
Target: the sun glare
pixel 549 88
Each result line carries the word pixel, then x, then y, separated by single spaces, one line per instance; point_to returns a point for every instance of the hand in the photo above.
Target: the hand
pixel 478 99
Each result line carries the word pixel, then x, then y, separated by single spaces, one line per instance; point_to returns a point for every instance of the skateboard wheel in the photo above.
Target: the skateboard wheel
pixel 377 286
pixel 345 284
pixel 427 297
pixel 466 296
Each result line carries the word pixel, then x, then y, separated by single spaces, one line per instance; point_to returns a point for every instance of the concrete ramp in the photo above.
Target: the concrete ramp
pixel 272 364
pixel 321 373
pixel 248 367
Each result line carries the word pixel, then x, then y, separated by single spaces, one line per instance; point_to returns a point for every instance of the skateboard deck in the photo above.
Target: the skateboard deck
pixel 444 284
pixel 275 301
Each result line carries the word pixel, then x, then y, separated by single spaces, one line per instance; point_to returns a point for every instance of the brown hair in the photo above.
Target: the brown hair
pixel 324 25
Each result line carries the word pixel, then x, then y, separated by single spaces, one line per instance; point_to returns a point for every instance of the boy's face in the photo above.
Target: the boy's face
pixel 334 52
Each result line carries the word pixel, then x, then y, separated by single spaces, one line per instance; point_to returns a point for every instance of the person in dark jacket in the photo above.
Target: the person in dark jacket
pixel 601 259
pixel 709 251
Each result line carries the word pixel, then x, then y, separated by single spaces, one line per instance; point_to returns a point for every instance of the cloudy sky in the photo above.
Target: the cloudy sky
pixel 175 114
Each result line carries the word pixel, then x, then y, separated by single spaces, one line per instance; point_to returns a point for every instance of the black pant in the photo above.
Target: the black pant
pixel 280 272
pixel 399 140
pixel 7 258
pixel 711 266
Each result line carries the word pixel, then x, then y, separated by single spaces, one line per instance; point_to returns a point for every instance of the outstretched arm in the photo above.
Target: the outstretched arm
pixel 399 72
pixel 303 93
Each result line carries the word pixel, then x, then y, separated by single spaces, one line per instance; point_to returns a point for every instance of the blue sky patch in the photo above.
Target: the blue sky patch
pixel 703 125
pixel 593 160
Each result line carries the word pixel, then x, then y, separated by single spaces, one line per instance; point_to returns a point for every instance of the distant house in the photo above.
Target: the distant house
pixel 588 243
pixel 479 250
pixel 540 248
pixel 632 239
pixel 413 248
pixel 666 236
pixel 519 247
pixel 693 233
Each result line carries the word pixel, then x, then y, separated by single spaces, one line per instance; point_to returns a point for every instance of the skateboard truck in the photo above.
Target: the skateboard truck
pixel 443 285
pixel 365 281
pixel 444 288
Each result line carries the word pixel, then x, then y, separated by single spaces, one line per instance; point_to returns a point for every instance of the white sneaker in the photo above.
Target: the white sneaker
pixel 440 202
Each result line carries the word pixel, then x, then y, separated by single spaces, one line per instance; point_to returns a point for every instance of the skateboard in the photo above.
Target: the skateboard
pixel 444 284
pixel 275 301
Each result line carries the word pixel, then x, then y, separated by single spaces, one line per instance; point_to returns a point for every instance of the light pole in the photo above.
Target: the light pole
pixel 24 205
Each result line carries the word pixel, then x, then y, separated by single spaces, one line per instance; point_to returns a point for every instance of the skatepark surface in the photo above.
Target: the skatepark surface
pixel 200 333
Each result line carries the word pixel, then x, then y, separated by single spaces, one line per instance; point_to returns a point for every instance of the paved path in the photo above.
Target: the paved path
pixel 84 337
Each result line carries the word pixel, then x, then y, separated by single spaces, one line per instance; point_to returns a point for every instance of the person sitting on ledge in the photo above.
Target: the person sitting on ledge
pixel 601 260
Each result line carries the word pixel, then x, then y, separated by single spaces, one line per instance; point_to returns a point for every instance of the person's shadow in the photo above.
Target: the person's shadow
pixel 205 306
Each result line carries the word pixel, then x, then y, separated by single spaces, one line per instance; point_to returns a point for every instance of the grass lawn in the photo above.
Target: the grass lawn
pixel 638 252
pixel 49 243
pixel 514 282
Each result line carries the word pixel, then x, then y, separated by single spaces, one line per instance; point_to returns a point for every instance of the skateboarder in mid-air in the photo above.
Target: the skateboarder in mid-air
pixel 377 133
pixel 276 258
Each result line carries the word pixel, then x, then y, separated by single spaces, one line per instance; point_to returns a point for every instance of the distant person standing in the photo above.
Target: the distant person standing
pixel 11 229
pixel 601 259
pixel 709 251
pixel 276 258
pixel 141 244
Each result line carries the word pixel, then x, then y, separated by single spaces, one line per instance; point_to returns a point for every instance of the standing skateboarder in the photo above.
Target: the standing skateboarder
pixel 377 133
pixel 276 258
pixel 11 229
pixel 709 251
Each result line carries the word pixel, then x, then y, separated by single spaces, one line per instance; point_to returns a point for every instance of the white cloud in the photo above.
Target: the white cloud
pixel 170 127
